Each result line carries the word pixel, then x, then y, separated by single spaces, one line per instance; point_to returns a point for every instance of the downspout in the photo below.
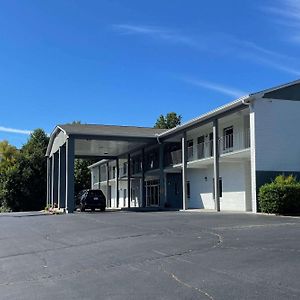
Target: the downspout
pixel 252 157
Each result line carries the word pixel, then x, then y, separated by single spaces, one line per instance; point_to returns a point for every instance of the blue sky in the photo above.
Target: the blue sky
pixel 127 61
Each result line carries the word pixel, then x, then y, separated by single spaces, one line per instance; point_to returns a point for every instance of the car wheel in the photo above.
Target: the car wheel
pixel 102 208
pixel 82 208
pixel 93 209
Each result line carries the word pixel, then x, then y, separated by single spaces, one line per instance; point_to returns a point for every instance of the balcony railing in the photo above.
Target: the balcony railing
pixel 205 149
pixel 190 153
pixel 176 157
pixel 228 143
pixel 234 142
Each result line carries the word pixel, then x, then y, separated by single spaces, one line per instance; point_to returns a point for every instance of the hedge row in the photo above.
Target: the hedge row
pixel 280 196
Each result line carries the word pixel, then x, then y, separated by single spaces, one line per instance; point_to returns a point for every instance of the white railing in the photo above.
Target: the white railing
pixel 190 153
pixel 234 142
pixel 228 143
pixel 176 157
pixel 205 149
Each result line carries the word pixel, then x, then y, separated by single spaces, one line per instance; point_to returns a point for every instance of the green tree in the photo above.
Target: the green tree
pixel 82 174
pixel 169 121
pixel 23 186
pixel 8 155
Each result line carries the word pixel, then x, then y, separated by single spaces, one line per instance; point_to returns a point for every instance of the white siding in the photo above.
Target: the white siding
pixel 59 140
pixel 236 185
pixel 277 142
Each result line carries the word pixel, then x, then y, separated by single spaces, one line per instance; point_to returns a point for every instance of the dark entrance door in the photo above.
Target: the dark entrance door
pixel 174 190
pixel 152 192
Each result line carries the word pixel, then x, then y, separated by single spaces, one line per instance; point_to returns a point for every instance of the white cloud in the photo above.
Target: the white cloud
pixel 231 46
pixel 267 57
pixel 14 130
pixel 286 13
pixel 226 90
pixel 158 33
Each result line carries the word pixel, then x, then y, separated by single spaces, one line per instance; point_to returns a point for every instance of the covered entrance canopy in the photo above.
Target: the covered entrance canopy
pixel 71 141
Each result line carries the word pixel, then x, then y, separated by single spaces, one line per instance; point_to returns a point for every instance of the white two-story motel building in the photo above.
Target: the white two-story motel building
pixel 243 144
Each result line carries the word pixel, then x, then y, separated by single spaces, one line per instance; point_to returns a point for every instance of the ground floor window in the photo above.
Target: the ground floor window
pixel 188 189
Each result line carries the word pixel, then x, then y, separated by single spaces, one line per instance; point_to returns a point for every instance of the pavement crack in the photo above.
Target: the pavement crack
pixel 201 291
pixel 254 226
pixel 219 236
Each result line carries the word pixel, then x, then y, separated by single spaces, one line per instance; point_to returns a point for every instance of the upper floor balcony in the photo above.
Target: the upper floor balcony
pixel 230 142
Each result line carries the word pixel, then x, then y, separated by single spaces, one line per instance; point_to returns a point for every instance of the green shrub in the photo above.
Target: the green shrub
pixel 282 196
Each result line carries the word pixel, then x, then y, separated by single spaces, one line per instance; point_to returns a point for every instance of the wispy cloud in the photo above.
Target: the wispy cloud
pixel 14 130
pixel 286 13
pixel 157 33
pixel 223 89
pixel 264 56
pixel 210 43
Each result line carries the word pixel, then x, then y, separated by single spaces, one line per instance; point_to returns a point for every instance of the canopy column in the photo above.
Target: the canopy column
pixel 54 198
pixel 117 183
pixel 162 198
pixel 70 158
pixel 62 177
pixel 108 197
pixel 143 179
pixel 184 168
pixel 49 184
pixel 216 164
pixel 128 180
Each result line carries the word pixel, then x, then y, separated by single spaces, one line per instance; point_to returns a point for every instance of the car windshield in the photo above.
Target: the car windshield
pixel 95 193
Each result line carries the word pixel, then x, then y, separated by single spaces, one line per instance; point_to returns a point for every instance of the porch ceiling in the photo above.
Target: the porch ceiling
pixel 104 148
pixel 102 141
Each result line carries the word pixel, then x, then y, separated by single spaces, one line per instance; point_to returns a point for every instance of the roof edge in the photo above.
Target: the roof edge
pixel 278 87
pixel 52 137
pixel 205 116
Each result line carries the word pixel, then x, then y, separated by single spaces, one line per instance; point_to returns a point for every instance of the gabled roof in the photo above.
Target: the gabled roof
pixel 110 130
pixel 126 134
pixel 277 88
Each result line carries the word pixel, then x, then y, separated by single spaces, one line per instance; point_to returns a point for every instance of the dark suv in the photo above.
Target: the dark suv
pixel 91 199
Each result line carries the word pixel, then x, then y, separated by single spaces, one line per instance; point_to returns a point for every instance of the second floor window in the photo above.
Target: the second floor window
pixel 228 138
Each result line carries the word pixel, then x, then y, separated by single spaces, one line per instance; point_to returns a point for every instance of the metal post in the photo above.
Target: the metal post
pixel 117 183
pixel 92 178
pixel 184 167
pixel 161 176
pixel 48 200
pixel 54 199
pixel 62 176
pixel 216 164
pixel 143 179
pixel 99 184
pixel 70 158
pixel 128 180
pixel 108 204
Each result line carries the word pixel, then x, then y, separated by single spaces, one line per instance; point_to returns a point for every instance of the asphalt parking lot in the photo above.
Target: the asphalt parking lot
pixel 153 255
